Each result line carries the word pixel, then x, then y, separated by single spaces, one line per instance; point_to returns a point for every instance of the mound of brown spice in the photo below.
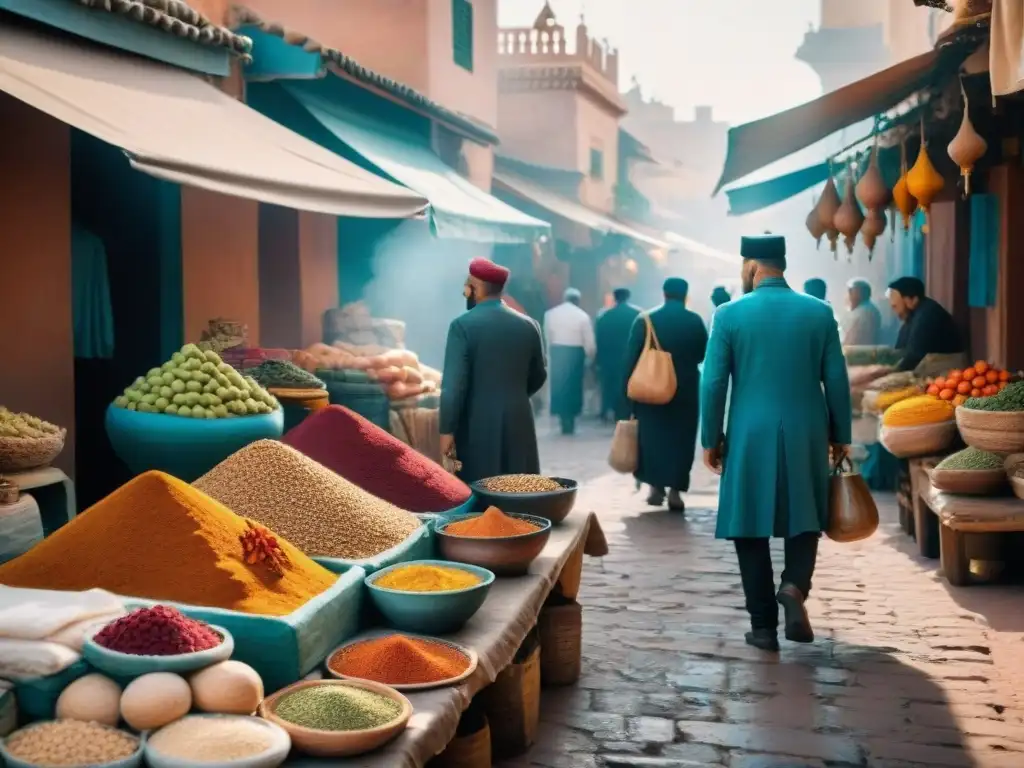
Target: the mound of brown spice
pixel 399 660
pixel 492 524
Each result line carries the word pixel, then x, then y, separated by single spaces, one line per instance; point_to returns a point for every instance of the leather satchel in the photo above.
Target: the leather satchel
pixel 653 380
pixel 852 513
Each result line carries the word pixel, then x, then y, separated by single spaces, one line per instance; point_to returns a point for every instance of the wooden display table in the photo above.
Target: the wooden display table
pixel 952 527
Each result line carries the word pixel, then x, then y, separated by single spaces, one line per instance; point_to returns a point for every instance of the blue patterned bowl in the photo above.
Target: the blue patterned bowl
pixel 184 448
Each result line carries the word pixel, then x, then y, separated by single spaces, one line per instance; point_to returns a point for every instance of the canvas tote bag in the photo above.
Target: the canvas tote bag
pixel 624 456
pixel 852 513
pixel 653 381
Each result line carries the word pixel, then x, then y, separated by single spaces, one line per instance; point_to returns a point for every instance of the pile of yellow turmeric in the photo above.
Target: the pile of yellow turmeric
pixel 918 411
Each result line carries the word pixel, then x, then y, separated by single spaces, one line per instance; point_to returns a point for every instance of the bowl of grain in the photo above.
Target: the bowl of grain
pixel 338 718
pixel 505 544
pixel 218 741
pixel 549 497
pixel 70 742
pixel 432 597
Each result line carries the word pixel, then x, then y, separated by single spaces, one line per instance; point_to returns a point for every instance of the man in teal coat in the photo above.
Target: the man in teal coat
pixel 790 409
pixel 612 335
pixel 493 364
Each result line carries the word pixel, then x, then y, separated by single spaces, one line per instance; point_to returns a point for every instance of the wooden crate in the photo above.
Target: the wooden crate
pixel 512 702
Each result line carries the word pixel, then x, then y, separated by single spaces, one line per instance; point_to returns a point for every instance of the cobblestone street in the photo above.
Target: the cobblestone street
pixel 906 670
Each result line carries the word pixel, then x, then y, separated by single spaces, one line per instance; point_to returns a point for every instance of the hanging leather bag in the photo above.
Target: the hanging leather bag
pixel 653 380
pixel 852 513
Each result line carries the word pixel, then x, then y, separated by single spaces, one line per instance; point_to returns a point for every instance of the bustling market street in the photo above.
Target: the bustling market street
pixel 907 671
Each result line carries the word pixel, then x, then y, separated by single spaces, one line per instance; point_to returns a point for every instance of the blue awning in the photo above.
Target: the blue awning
pixel 458 209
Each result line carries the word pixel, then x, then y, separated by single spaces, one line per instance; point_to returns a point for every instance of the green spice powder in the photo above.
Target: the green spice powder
pixel 337 708
pixel 972 459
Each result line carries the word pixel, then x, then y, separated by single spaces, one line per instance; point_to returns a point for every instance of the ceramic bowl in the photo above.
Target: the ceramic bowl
pixel 505 556
pixel 472 660
pixel 132 761
pixel 272 757
pixel 338 743
pixel 182 447
pixel 125 665
pixel 551 505
pixel 431 613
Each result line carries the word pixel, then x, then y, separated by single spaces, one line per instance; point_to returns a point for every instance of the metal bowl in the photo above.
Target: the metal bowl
pixel 551 505
pixel 504 556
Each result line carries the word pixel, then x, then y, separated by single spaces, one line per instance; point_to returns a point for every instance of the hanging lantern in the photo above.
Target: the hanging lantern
pixel 849 217
pixel 871 189
pixel 814 226
pixel 967 147
pixel 923 181
pixel 905 202
pixel 873 227
pixel 828 205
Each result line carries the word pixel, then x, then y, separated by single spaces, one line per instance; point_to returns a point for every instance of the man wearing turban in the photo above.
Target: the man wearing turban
pixel 493 364
pixel 790 410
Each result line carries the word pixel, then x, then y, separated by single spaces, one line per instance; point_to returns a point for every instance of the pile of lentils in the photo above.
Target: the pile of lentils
pixel 521 484
pixel 71 743
pixel 285 375
pixel 1009 399
pixel 971 459
pixel 212 739
pixel 337 708
pixel 303 502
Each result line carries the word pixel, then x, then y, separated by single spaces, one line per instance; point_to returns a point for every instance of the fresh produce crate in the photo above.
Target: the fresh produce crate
pixel 283 649
pixel 512 702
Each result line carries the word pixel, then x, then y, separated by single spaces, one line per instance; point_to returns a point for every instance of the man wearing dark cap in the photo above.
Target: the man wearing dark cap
pixel 668 433
pixel 790 411
pixel 927 327
pixel 493 364
pixel 612 335
pixel 816 287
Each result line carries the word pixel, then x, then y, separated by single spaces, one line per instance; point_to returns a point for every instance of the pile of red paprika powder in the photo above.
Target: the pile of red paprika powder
pixel 157 631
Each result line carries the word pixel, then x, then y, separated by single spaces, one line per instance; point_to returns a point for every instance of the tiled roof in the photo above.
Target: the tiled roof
pixel 175 17
pixel 243 16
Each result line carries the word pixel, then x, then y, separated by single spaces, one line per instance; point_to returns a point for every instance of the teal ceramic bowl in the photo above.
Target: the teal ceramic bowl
pixel 430 613
pixel 184 448
pixel 129 665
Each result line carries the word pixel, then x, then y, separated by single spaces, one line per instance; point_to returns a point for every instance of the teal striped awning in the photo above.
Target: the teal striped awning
pixel 458 209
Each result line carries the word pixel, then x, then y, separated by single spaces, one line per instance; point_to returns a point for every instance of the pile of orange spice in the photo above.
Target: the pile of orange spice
pixel 399 660
pixel 492 524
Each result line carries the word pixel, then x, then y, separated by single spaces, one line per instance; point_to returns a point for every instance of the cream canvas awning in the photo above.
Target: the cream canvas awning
pixel 175 126
pixel 571 209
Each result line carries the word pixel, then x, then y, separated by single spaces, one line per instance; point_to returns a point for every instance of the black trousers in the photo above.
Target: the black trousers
pixel 758 576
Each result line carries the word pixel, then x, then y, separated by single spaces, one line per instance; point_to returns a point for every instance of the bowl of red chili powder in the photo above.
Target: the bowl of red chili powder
pixel 157 639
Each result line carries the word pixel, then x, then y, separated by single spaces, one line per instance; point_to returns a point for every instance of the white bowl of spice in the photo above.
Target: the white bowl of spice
pixel 218 741
pixel 70 742
pixel 338 718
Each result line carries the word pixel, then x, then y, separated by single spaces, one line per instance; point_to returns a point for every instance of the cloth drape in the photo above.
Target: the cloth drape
pixel 91 307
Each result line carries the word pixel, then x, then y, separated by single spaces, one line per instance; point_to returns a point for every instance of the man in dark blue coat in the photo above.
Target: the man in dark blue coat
pixel 612 334
pixel 668 433
pixel 493 363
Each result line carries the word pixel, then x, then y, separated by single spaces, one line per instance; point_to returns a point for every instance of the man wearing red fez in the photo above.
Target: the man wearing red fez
pixel 493 364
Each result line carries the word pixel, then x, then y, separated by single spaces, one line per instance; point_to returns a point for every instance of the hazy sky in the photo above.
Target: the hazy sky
pixel 737 55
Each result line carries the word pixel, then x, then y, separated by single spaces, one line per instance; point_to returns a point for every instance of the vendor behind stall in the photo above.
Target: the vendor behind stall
pixel 927 327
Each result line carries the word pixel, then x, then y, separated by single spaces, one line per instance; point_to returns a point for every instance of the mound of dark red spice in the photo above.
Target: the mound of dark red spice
pixel 379 463
pixel 157 631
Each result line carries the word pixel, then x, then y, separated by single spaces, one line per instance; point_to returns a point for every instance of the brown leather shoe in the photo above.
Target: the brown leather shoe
pixel 798 623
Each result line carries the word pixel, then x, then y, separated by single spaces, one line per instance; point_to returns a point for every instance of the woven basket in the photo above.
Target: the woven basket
pixel 471 747
pixel 925 440
pixel 561 643
pixel 18 454
pixel 512 703
pixel 994 431
pixel 969 482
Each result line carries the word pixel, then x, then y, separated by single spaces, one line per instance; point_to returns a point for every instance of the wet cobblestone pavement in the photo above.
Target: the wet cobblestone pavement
pixel 907 672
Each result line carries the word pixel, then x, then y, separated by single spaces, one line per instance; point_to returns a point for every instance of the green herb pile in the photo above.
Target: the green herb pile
pixel 1010 399
pixel 337 708
pixel 284 374
pixel 972 459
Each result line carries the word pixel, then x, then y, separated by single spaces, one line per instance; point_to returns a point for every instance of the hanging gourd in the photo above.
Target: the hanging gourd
pixel 871 189
pixel 873 227
pixel 827 206
pixel 923 181
pixel 967 147
pixel 814 226
pixel 905 202
pixel 849 217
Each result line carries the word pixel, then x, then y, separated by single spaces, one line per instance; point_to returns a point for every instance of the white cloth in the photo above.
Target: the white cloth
pixel 1006 48
pixel 863 327
pixel 569 326
pixel 37 614
pixel 27 659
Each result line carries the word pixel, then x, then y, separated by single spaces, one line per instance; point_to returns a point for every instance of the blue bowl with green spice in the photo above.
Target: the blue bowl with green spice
pixel 430 613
